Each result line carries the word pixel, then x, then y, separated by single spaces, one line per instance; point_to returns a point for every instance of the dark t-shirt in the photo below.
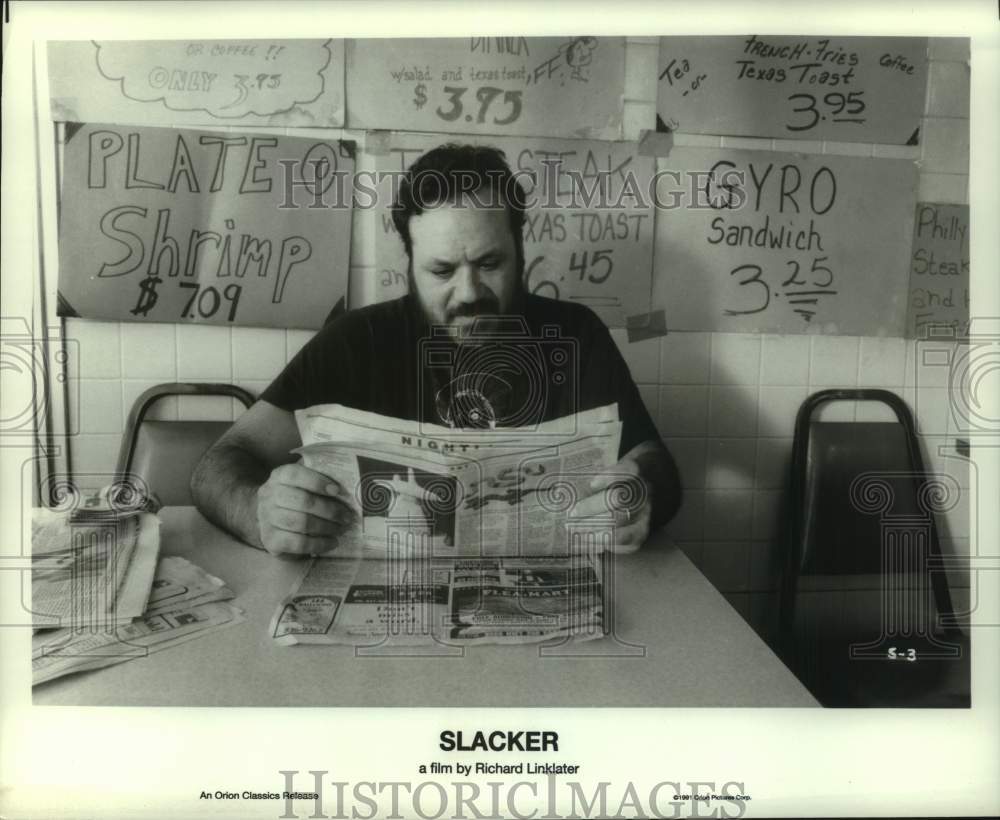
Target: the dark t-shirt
pixel 554 359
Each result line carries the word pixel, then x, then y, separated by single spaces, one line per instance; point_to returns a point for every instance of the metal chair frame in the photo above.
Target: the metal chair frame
pixel 148 398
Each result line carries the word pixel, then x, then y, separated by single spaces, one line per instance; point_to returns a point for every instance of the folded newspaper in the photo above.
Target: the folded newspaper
pixel 91 568
pixel 459 493
pixel 185 603
pixel 363 602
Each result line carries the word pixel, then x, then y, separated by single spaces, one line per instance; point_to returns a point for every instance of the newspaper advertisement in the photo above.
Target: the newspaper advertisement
pixel 460 602
pixel 458 493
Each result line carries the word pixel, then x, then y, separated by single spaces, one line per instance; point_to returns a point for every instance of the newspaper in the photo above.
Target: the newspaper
pixel 95 569
pixel 185 603
pixel 458 493
pixel 362 602
pixel 181 584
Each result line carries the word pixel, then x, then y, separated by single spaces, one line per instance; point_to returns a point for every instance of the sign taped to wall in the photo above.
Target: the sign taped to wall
pixel 850 89
pixel 198 82
pixel 176 225
pixel 597 253
pixel 766 241
pixel 535 86
pixel 939 269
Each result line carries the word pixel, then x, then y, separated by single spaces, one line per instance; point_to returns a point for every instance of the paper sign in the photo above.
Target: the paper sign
pixel 198 82
pixel 174 225
pixel 939 269
pixel 597 256
pixel 538 86
pixel 764 241
pixel 851 89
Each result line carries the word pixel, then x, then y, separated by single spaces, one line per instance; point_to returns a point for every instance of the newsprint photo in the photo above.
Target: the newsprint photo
pixel 429 410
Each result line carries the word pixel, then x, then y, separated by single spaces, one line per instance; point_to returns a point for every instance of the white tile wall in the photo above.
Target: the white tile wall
pixel 691 457
pixel 204 353
pixel 732 411
pixel 735 359
pixel 683 410
pixel 881 362
pixel 778 406
pixel 728 515
pixel 725 403
pixel 149 351
pixel 784 360
pixel 774 459
pixel 685 358
pixel 730 463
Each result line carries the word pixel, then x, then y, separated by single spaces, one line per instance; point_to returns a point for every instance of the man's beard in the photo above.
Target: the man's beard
pixel 479 311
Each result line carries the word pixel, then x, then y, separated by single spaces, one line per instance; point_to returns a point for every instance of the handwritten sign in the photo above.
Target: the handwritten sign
pixel 174 225
pixel 939 268
pixel 851 89
pixel 538 86
pixel 598 254
pixel 198 82
pixel 764 241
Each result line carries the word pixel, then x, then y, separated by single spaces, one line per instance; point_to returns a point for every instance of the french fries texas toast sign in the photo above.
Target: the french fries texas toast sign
pixel 175 225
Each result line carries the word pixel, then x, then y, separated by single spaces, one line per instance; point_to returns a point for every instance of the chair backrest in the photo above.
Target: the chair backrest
pixel 164 453
pixel 860 552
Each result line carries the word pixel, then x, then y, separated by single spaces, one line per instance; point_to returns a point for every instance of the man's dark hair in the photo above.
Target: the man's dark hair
pixel 450 170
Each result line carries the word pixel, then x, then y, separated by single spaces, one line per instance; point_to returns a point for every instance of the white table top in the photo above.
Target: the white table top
pixel 680 644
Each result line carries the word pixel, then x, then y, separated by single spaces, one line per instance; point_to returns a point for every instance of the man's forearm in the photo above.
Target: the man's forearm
pixel 224 488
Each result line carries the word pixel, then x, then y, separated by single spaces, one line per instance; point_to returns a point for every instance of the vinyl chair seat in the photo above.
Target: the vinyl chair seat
pixel 159 456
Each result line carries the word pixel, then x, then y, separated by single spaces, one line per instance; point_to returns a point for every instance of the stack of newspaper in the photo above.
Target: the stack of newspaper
pixel 101 594
pixel 185 603
pixel 93 567
pixel 461 535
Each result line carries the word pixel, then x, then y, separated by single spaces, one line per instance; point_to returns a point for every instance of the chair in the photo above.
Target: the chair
pixel 165 453
pixel 866 614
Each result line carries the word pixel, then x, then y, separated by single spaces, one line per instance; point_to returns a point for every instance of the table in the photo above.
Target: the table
pixel 679 644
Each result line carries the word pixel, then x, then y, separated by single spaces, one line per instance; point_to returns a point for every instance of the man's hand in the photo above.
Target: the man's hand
pixel 630 499
pixel 301 511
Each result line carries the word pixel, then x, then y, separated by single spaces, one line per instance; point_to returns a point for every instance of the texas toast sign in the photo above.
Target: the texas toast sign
pixel 176 225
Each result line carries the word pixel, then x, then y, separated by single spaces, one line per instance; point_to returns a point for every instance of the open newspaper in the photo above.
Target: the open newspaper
pixel 378 603
pixel 461 536
pixel 458 493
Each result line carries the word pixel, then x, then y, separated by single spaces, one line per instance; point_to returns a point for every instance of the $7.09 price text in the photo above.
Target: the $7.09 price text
pixel 203 302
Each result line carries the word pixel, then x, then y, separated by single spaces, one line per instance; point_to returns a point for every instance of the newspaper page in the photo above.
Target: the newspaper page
pixel 361 602
pixel 458 493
